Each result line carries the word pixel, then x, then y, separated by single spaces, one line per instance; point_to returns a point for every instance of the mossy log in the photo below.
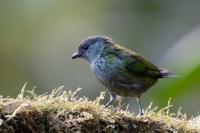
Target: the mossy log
pixel 64 112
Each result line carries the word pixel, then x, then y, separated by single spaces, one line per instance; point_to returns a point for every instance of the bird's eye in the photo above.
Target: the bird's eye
pixel 85 47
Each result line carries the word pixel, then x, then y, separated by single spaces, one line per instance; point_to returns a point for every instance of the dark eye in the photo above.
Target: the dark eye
pixel 85 47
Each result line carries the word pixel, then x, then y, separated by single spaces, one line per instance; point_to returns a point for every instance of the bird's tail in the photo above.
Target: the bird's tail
pixel 164 73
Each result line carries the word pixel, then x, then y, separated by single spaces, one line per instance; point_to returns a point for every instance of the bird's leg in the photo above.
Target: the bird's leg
pixel 140 106
pixel 112 98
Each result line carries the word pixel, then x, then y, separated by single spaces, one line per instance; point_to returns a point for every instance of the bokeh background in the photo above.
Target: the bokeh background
pixel 38 37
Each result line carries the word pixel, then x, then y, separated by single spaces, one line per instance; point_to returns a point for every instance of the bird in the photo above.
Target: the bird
pixel 122 71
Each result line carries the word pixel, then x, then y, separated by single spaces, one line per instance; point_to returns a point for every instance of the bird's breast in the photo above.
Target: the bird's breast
pixel 104 72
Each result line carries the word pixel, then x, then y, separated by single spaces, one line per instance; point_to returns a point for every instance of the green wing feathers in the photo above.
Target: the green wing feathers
pixel 135 64
pixel 138 65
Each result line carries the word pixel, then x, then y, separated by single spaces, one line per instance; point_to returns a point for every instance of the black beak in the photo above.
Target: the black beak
pixel 76 55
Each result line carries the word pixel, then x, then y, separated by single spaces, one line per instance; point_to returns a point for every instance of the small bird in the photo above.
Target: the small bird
pixel 122 71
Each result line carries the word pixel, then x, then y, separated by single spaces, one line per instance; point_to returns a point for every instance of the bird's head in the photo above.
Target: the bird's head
pixel 91 47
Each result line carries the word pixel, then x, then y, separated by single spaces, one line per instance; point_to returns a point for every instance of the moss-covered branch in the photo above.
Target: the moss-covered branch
pixel 63 111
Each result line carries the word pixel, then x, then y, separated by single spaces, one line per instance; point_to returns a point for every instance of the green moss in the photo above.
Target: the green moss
pixel 63 111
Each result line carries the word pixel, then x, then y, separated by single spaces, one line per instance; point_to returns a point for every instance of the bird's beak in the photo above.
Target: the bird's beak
pixel 75 55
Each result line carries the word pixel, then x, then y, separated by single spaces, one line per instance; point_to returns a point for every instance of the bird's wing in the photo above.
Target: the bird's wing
pixel 134 63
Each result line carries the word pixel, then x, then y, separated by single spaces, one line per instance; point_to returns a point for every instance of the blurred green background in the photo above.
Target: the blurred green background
pixel 38 37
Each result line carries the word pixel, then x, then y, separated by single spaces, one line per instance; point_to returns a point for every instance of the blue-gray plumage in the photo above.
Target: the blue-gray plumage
pixel 122 71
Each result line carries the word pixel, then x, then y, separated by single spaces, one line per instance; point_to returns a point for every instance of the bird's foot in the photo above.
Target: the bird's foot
pixel 141 113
